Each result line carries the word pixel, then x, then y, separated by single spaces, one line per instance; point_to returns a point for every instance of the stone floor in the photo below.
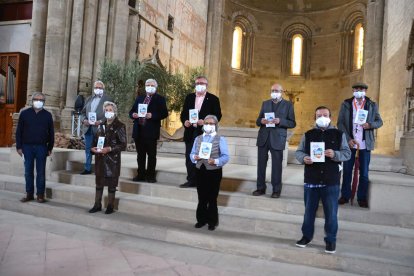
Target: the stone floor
pixel 37 246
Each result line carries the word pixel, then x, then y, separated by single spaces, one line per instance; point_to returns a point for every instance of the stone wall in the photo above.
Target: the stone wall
pixel 395 79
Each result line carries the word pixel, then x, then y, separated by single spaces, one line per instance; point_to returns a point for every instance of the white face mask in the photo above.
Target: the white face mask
pixel 323 122
pixel 98 91
pixel 209 128
pixel 109 115
pixel 38 104
pixel 150 89
pixel 200 88
pixel 359 94
pixel 276 95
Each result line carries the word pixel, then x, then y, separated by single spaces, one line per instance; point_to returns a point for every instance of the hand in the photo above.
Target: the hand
pixel 134 115
pixel 196 157
pixel 352 143
pixel 148 116
pixel 20 152
pixel 307 160
pixel 276 121
pixel 366 126
pixel 211 161
pixel 187 123
pixel 106 150
pixel 86 122
pixel 200 122
pixel 94 150
pixel 97 123
pixel 329 153
pixel 264 121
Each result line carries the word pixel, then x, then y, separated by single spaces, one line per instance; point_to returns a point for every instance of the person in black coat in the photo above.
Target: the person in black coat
pixel 146 131
pixel 206 104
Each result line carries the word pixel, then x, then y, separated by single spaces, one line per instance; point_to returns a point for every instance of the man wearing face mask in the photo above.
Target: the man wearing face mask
pixel 146 130
pixel 361 135
pixel 322 178
pixel 35 137
pixel 93 103
pixel 206 104
pixel 273 138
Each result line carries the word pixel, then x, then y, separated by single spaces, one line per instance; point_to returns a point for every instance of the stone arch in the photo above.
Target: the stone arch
pixel 245 18
pixel 305 27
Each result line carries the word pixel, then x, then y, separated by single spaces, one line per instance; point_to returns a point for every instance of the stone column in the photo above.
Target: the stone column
pixel 54 50
pixel 120 29
pixel 212 57
pixel 373 47
pixel 75 44
pixel 88 46
pixel 101 36
pixel 37 47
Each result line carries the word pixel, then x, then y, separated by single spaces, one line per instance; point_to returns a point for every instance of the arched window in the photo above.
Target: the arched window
pixel 296 59
pixel 242 44
pixel 236 56
pixel 358 46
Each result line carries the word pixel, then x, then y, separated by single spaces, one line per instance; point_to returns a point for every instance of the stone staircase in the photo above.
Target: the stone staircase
pixel 369 242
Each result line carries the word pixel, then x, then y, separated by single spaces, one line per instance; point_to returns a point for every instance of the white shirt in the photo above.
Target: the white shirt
pixel 357 129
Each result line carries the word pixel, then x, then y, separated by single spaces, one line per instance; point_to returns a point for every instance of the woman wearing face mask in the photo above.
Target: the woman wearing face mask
pixel 108 158
pixel 210 154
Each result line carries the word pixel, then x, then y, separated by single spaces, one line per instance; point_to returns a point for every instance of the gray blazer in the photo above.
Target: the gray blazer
pixel 100 114
pixel 277 135
pixel 345 121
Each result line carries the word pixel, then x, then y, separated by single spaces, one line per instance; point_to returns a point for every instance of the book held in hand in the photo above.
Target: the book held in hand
pixel 101 141
pixel 270 116
pixel 92 118
pixel 142 110
pixel 193 116
pixel 361 117
pixel 205 150
pixel 317 151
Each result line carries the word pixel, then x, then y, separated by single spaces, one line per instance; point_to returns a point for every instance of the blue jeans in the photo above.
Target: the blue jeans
pixel 88 145
pixel 32 154
pixel 364 159
pixel 329 196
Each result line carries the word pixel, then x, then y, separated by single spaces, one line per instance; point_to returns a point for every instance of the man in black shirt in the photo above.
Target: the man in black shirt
pixel 35 137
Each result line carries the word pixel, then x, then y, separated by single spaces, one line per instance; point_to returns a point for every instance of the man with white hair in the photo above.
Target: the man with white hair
pixel 147 113
pixel 93 106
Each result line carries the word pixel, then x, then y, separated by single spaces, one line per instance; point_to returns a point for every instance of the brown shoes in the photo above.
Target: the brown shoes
pixel 343 201
pixel 363 203
pixel 27 198
pixel 41 199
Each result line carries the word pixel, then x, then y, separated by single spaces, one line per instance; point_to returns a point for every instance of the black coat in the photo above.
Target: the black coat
pixel 151 129
pixel 210 106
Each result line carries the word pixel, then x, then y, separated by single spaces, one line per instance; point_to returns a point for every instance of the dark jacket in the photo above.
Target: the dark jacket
pixel 345 122
pixel 151 129
pixel 210 106
pixel 109 165
pixel 277 135
pixel 35 128
pixel 100 114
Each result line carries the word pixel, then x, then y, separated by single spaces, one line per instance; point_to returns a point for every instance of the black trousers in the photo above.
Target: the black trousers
pixel 277 160
pixel 208 186
pixel 146 147
pixel 191 168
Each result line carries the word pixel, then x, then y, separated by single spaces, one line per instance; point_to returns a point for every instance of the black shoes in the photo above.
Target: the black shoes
pixel 138 178
pixel 27 198
pixel 95 208
pixel 330 247
pixel 199 224
pixel 363 203
pixel 85 172
pixel 109 209
pixel 259 192
pixel 187 185
pixel 211 227
pixel 275 195
pixel 303 242
pixel 151 180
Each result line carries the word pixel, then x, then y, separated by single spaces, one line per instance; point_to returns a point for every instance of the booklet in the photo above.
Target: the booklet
pixel 270 116
pixel 92 118
pixel 205 150
pixel 317 151
pixel 101 141
pixel 361 117
pixel 193 116
pixel 142 110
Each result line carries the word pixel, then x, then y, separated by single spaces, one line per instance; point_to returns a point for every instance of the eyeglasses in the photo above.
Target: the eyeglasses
pixel 211 124
pixel 42 100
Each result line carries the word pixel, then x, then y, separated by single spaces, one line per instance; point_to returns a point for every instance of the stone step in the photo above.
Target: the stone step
pixel 263 223
pixel 283 205
pixel 4 167
pixel 349 258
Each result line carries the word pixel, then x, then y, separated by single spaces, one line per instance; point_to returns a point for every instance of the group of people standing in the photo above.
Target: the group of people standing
pixel 105 137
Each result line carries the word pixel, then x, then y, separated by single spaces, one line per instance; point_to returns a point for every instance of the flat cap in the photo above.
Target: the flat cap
pixel 360 85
